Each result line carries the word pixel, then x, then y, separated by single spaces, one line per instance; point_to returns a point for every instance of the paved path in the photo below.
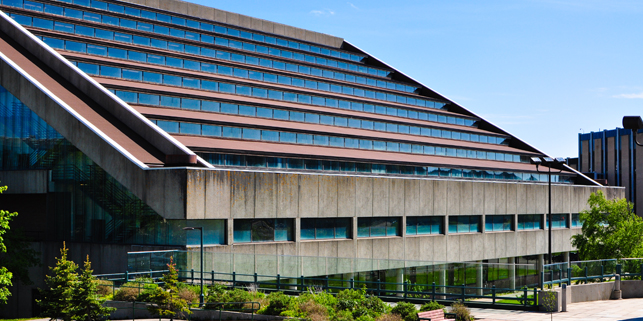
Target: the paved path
pixel 612 310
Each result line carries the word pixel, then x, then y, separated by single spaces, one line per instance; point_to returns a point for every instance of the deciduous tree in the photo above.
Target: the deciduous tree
pixel 611 230
pixel 5 274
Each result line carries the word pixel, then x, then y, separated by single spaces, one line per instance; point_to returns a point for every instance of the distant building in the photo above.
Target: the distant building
pixel 612 157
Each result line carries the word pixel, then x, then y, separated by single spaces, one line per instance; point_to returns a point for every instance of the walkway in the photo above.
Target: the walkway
pixel 628 309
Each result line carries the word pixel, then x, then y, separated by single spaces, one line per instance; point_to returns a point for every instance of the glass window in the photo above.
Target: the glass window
pixel 332 228
pixel 378 226
pixel 424 225
pixel 497 223
pixel 559 221
pixel 464 224
pixel 263 230
pixel 529 222
pixel 190 129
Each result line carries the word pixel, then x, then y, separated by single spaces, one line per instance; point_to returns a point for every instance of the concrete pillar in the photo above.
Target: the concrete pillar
pixel 479 278
pixel 512 272
pixel 539 268
pixel 399 279
pixel 566 258
pixel 442 280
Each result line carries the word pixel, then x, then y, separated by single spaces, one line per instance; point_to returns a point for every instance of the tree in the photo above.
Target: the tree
pixel 56 300
pixel 167 302
pixel 85 301
pixel 20 256
pixel 5 275
pixel 610 230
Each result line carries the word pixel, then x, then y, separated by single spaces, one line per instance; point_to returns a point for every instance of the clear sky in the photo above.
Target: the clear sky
pixel 543 70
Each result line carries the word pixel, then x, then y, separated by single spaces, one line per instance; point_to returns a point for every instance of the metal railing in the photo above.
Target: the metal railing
pixel 590 271
pixel 389 291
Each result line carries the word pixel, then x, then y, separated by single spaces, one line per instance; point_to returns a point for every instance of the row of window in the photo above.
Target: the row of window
pixel 205 38
pixel 174 127
pixel 203 26
pixel 193 83
pixel 271 230
pixel 223 70
pixel 313 118
pixel 369 168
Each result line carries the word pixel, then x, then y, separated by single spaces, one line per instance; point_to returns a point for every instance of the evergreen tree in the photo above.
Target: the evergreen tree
pixel 167 302
pixel 85 302
pixel 56 299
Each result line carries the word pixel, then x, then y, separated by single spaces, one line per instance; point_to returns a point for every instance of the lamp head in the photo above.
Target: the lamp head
pixel 535 160
pixel 632 122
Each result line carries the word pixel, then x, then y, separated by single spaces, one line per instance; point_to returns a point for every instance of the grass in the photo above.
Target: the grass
pixel 515 301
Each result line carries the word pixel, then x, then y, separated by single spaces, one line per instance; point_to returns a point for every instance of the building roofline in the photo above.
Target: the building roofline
pixel 472 113
pixel 239 20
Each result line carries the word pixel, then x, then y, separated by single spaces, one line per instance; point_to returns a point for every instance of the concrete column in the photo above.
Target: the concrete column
pixel 566 258
pixel 399 279
pixel 442 281
pixel 512 272
pixel 539 268
pixel 479 278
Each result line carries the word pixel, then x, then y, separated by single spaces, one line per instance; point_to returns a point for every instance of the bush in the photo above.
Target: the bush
pixel 430 306
pixel 127 292
pixel 279 302
pixel 462 313
pixel 389 317
pixel 188 295
pixel 105 287
pixel 406 310
pixel 344 315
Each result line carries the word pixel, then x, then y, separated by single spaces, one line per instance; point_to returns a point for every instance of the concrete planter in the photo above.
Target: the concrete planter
pixel 549 301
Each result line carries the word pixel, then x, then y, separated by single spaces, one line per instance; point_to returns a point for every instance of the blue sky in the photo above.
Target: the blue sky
pixel 543 70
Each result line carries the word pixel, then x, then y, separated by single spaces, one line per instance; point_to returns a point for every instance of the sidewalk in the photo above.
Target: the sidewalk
pixel 628 309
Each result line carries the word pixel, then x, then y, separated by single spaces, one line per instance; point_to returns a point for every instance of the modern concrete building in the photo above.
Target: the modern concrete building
pixel 123 122
pixel 613 157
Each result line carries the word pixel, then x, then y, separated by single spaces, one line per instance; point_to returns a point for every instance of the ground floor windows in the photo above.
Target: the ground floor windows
pixel 378 226
pixel 264 230
pixel 529 222
pixel 422 225
pixel 325 228
pixel 559 221
pixel 464 224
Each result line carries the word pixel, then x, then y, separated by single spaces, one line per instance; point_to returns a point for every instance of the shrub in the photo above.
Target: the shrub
pixel 105 287
pixel 279 302
pixel 389 317
pixel 187 294
pixel 314 311
pixel 349 299
pixel 406 310
pixel 430 306
pixel 344 315
pixel 462 313
pixel 127 292
pixel 365 318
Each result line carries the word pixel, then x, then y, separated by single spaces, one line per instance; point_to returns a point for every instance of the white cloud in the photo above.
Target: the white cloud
pixel 324 12
pixel 353 6
pixel 630 96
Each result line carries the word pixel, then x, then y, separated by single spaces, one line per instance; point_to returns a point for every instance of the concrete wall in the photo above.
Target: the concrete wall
pixel 235 19
pixel 226 194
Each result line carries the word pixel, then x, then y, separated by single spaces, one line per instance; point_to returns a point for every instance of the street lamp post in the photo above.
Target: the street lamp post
pixel 548 161
pixel 201 298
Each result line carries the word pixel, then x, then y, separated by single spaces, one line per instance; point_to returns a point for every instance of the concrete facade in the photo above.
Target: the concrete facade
pixel 230 195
